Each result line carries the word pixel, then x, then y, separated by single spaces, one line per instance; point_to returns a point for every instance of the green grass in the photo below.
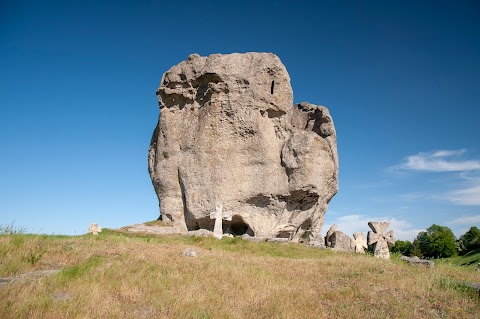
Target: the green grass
pixel 158 223
pixel 235 244
pixel 469 260
pixel 81 269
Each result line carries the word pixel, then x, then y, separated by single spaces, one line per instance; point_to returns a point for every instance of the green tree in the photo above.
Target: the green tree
pixel 404 247
pixel 416 251
pixel 468 241
pixel 436 242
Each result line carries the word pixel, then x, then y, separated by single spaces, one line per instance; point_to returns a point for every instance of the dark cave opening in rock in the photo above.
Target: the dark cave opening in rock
pixel 306 226
pixel 237 227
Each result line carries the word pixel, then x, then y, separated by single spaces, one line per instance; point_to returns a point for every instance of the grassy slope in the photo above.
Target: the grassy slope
pixel 469 260
pixel 124 276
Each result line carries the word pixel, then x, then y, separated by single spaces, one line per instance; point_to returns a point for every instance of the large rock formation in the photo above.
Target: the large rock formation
pixel 228 135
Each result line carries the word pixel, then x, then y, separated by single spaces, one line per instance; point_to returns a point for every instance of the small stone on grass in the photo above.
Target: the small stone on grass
pixel 190 252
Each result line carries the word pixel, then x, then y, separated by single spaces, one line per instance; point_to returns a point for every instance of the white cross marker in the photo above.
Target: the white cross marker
pixel 219 216
pixel 94 229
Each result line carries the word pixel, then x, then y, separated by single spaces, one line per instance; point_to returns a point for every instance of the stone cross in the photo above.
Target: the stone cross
pixel 380 239
pixel 360 243
pixel 219 216
pixel 94 229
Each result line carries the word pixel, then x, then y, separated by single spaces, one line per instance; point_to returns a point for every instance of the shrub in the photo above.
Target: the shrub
pixel 416 251
pixel 403 247
pixel 436 242
pixel 468 241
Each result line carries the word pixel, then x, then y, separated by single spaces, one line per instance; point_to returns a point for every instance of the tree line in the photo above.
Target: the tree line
pixel 439 242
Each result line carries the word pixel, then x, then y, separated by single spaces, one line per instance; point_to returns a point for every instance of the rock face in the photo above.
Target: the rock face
pixel 228 135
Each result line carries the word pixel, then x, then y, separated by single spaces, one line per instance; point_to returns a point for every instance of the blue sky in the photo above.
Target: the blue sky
pixel 78 104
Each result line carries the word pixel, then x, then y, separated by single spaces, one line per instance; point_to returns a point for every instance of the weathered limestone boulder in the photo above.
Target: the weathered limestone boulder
pixel 328 236
pixel 341 241
pixel 417 261
pixel 189 252
pixel 229 136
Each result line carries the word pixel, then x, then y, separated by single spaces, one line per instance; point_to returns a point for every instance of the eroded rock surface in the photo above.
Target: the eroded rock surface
pixel 340 241
pixel 228 135
pixel 328 236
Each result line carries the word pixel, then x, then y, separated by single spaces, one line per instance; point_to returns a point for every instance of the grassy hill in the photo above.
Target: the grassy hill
pixel 117 275
pixel 469 260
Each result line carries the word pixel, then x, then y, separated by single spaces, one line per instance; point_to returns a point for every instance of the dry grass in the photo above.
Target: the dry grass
pixel 158 223
pixel 119 276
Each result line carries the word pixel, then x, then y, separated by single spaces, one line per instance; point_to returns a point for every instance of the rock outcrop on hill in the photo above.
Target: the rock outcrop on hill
pixel 229 138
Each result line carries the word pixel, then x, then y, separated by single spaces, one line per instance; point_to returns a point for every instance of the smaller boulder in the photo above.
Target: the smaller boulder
pixel 341 241
pixel 330 232
pixel 417 261
pixel 189 252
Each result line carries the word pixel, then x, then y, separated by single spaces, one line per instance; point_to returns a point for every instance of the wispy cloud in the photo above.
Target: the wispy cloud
pixel 350 224
pixel 466 196
pixel 467 191
pixel 466 220
pixel 438 161
pixel 448 153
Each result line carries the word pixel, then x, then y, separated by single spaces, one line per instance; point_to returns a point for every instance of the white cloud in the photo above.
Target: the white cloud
pixel 350 224
pixel 466 220
pixel 466 196
pixel 438 161
pixel 446 161
pixel 448 153
pixel 469 194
